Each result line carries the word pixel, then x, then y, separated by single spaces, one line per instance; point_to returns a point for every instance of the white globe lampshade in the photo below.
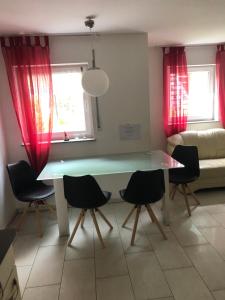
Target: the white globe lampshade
pixel 95 82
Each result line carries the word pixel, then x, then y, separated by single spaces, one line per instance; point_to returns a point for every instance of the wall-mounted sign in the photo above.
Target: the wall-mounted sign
pixel 130 131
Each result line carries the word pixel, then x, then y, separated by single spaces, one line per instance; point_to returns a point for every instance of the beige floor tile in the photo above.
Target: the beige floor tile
pixel 23 275
pixel 110 261
pixel 30 223
pixel 50 292
pixel 121 211
pixel 216 237
pixel 187 233
pixel 51 237
pixel 82 245
pixel 114 288
pixel 25 249
pixel 209 264
pixel 219 295
pixel 202 219
pixel 110 209
pixel 169 252
pixel 220 218
pixel 78 280
pixel 29 226
pixel 215 209
pixel 141 242
pixel 47 267
pixel 203 229
pixel 147 278
pixel 186 284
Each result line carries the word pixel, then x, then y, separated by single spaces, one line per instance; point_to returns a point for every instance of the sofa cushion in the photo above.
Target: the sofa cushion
pixel 174 140
pixel 210 142
pixel 212 168
pixel 205 140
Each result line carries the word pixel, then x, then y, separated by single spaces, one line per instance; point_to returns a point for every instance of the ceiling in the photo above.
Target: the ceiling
pixel 168 22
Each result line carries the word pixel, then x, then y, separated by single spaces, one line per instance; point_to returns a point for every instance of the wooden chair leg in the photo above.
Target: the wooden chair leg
pixel 152 215
pixel 97 228
pixel 192 194
pixel 76 226
pixel 52 211
pixel 22 218
pixel 39 225
pixel 83 219
pixel 186 199
pixel 104 218
pixel 129 215
pixel 135 225
pixel 173 192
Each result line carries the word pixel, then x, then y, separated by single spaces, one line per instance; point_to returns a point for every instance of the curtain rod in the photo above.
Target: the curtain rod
pixel 191 45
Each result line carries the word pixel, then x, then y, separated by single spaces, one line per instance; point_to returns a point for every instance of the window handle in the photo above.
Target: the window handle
pixel 66 138
pixel 97 114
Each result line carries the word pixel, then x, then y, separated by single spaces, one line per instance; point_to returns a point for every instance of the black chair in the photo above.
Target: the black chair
pixel 188 156
pixel 84 192
pixel 27 189
pixel 144 188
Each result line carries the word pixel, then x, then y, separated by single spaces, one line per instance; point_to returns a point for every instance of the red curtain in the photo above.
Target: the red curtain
pixel 175 90
pixel 220 81
pixel 30 79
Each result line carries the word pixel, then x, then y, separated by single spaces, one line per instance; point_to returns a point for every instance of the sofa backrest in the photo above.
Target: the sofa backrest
pixel 210 142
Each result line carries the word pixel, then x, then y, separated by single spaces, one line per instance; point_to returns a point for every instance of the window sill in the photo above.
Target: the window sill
pixel 203 121
pixel 70 141
pixel 73 141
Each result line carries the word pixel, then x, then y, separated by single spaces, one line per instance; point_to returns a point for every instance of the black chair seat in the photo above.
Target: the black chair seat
pixel 144 188
pixel 188 156
pixel 84 192
pixel 37 192
pixel 27 189
pixel 140 201
pixel 181 178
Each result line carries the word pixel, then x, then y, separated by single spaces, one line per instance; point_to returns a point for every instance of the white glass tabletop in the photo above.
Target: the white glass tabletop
pixel 109 164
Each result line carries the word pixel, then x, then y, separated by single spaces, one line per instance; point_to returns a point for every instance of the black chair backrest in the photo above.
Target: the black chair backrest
pixel 188 156
pixel 21 176
pixel 145 187
pixel 82 191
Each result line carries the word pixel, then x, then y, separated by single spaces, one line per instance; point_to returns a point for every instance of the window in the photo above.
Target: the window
pixel 72 111
pixel 202 105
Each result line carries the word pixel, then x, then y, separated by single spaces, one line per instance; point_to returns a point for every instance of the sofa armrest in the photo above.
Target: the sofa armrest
pixel 172 141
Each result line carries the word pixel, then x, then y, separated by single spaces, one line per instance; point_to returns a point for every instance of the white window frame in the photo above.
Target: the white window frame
pixel 77 135
pixel 211 69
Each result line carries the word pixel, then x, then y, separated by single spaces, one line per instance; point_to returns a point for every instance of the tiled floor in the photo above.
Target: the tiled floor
pixel 190 265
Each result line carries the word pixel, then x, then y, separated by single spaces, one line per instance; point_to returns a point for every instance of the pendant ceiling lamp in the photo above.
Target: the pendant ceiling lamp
pixel 95 81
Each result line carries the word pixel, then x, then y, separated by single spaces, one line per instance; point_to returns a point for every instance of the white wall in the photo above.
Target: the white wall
pixel 7 205
pixel 156 98
pixel 125 59
pixel 196 55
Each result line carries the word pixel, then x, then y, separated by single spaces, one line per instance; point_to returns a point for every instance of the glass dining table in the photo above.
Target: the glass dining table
pixel 105 165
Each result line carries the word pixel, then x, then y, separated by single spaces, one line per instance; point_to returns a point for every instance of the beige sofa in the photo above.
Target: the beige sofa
pixel 211 149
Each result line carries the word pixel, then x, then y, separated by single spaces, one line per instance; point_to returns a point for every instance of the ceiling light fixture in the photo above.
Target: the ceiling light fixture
pixel 95 81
